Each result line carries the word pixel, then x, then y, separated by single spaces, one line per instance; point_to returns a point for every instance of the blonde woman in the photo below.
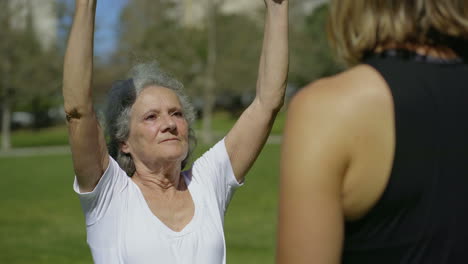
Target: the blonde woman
pixel 374 160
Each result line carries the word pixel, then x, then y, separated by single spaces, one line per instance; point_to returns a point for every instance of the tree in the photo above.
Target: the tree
pixel 5 69
pixel 231 40
pixel 152 30
pixel 212 7
pixel 29 73
pixel 311 56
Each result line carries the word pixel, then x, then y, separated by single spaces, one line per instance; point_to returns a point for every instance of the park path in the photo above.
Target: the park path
pixel 35 151
pixel 61 150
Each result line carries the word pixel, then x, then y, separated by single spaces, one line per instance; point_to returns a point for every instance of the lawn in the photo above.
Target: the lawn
pixel 52 136
pixel 223 121
pixel 42 222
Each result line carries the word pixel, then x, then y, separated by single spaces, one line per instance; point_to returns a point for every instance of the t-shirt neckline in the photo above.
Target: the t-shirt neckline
pixel 188 228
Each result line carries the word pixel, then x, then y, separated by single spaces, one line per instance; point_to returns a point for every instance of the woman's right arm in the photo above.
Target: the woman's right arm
pixel 314 158
pixel 88 145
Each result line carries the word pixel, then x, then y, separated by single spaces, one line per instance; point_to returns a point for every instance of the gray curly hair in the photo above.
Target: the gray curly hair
pixel 120 100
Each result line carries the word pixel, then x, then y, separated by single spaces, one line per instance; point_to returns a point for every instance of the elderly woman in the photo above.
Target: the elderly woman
pixel 140 207
pixel 373 166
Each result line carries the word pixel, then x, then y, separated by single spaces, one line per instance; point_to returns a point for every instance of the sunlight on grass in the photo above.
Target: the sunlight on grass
pixel 224 121
pixel 52 136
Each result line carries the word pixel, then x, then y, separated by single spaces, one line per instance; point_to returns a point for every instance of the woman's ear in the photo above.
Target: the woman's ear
pixel 124 147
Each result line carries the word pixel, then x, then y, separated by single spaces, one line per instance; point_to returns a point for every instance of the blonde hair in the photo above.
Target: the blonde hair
pixel 358 27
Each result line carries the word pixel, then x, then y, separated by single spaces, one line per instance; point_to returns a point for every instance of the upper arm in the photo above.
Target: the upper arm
pixel 247 138
pixel 314 159
pixel 89 150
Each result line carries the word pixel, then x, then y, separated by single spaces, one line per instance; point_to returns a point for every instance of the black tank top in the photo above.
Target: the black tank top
pixel 422 216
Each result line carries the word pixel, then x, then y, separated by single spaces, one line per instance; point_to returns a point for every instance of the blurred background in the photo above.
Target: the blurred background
pixel 212 46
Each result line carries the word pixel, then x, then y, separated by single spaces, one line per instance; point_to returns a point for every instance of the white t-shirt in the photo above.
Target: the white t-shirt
pixel 122 229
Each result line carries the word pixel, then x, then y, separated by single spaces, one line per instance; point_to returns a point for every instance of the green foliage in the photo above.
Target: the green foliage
pixel 151 30
pixel 239 41
pixel 29 74
pixel 311 56
pixel 43 222
pixel 154 30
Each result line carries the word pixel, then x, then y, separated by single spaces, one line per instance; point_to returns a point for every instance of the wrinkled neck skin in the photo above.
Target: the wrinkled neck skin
pixel 441 52
pixel 160 177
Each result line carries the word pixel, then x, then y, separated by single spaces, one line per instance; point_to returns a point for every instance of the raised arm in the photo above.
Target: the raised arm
pixel 86 138
pixel 246 139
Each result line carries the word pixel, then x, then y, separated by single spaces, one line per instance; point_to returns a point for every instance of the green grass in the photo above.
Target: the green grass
pixel 53 136
pixel 42 222
pixel 251 219
pixel 223 122
pixel 279 123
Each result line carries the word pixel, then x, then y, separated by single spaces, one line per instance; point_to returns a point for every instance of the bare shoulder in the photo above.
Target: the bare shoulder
pixel 357 89
pixel 351 97
pixel 343 108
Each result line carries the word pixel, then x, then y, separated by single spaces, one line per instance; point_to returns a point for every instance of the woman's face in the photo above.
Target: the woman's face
pixel 158 129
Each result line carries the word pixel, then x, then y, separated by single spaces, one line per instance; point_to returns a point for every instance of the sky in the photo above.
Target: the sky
pixel 107 17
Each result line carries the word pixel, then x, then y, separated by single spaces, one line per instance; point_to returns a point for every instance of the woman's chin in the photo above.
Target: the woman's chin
pixel 174 154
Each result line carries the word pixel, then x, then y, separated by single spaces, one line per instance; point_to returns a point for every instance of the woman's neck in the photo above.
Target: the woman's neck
pixel 162 178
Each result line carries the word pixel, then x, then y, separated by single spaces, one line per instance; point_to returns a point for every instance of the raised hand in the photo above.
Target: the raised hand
pixel 269 3
pixel 86 3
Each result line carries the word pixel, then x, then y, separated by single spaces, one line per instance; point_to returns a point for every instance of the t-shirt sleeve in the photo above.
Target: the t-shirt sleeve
pixel 214 167
pixel 96 202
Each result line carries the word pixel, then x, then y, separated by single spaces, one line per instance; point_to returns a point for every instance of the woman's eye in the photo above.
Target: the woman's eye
pixel 150 117
pixel 179 114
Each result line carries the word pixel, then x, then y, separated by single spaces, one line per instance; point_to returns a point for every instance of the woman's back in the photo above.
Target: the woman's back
pixel 373 163
pixel 421 212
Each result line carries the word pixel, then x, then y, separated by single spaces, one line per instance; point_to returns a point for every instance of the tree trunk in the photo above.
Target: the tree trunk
pixel 188 17
pixel 5 99
pixel 6 121
pixel 210 81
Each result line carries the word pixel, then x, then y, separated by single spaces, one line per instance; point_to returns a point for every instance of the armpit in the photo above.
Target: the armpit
pixel 73 114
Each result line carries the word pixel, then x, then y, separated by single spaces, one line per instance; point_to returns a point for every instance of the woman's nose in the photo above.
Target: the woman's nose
pixel 168 123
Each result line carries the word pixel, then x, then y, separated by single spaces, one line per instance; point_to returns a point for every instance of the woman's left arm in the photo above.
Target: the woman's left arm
pixel 248 136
